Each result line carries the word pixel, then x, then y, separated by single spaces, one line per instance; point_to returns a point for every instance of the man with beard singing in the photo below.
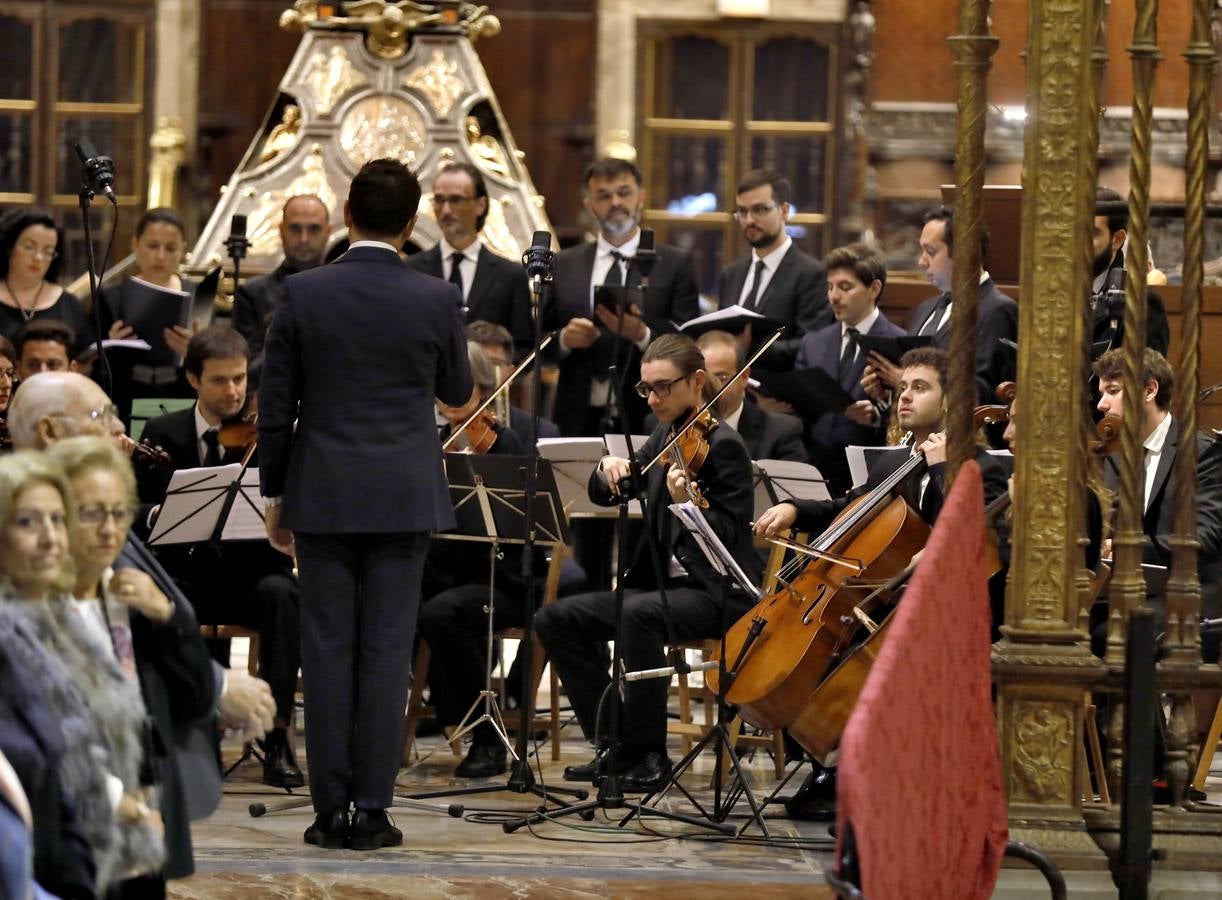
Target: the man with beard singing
pixel 591 336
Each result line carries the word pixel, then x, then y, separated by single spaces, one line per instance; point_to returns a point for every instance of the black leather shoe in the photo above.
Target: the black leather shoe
pixel 330 830
pixel 647 775
pixel 483 761
pixel 371 829
pixel 815 800
pixel 279 764
pixel 587 772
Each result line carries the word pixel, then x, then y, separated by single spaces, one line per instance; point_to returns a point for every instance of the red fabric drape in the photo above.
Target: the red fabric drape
pixel 920 768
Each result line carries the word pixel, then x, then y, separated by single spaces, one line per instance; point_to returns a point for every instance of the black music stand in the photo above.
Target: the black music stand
pixel 490 507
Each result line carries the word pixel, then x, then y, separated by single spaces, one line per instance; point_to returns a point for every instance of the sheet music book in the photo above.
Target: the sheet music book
pixel 113 344
pixel 149 310
pixel 781 479
pixel 732 319
pixel 892 348
pixel 812 392
pixel 195 501
pixel 861 458
pixel 690 516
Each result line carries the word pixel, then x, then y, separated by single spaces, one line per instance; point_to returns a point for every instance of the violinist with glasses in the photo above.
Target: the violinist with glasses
pixel 676 386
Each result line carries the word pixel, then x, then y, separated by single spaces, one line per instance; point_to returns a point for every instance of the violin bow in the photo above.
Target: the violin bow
pixel 526 361
pixel 665 451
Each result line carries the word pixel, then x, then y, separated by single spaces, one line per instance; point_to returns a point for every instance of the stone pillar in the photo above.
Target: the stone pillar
pixel 1042 664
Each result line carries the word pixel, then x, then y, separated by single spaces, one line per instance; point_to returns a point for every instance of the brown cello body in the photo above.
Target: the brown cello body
pixel 808 623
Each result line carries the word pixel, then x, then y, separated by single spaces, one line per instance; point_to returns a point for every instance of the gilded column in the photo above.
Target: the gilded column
pixel 1042 665
pixel 973 51
pixel 1128 587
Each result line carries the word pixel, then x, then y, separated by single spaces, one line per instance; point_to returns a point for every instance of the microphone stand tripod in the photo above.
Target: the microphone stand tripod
pixel 610 795
pixel 91 170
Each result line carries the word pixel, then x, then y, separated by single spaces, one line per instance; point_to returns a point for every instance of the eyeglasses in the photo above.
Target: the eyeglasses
pixel 47 253
pixel 108 413
pixel 440 200
pixel 758 211
pixel 661 388
pixel 97 515
pixel 31 522
pixel 10 374
pixel 720 378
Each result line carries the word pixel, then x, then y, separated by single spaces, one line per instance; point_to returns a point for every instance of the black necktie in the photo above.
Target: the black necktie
pixel 212 456
pixel 456 270
pixel 847 354
pixel 615 274
pixel 753 294
pixel 939 309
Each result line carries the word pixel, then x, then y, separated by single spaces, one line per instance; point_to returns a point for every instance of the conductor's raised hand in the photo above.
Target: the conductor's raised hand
pixel 616 470
pixel 776 520
pixel 578 334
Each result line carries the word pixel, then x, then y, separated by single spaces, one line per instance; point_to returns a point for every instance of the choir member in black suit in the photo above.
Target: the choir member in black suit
pixel 592 337
pixel 776 279
pixel 352 469
pixel 1109 232
pixel 305 226
pixel 494 289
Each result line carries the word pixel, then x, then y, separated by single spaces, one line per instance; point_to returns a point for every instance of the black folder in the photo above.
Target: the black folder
pixel 812 392
pixel 892 348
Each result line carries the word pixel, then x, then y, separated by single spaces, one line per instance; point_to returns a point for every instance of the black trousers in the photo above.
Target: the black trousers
pixel 455 624
pixel 572 628
pixel 360 595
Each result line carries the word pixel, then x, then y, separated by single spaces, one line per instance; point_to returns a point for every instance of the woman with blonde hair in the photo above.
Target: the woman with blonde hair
pixel 98 707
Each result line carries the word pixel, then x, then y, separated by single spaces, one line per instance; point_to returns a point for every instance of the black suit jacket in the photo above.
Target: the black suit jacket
pixel 997 318
pixel 1158 522
pixel 725 481
pixel 834 430
pixel 815 515
pixel 796 297
pixel 357 352
pixel 254 304
pixel 770 435
pixel 670 300
pixel 499 292
pixel 1158 333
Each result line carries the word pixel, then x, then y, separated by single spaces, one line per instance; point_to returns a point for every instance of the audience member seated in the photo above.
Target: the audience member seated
pixel 152 638
pixel 31 244
pixel 101 713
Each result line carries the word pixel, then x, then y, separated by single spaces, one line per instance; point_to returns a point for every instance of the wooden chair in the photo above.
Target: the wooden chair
pixel 417 710
pixel 1208 748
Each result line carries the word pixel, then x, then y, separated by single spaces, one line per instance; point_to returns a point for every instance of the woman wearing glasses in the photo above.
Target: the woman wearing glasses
pixel 97 705
pixel 31 248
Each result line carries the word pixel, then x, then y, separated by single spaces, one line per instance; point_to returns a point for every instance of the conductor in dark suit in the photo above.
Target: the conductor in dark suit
pixel 494 289
pixel 997 314
pixel 855 279
pixel 592 338
pixel 305 225
pixel 776 279
pixel 352 469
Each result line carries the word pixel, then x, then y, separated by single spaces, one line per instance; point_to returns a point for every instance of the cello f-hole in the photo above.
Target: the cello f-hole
pixel 813 603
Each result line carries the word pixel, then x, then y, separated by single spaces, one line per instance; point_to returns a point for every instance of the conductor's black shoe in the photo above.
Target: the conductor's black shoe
pixel 483 761
pixel 330 830
pixel 648 774
pixel 279 764
pixel 372 829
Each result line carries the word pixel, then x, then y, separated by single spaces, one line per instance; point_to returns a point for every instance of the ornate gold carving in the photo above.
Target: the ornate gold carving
pixel 439 82
pixel 284 136
pixel 303 14
pixel 330 77
pixel 263 221
pixel 169 146
pixel 382 126
pixel 478 22
pixel 1043 753
pixel 486 150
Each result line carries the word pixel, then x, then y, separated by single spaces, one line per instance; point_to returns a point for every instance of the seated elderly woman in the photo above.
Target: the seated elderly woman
pixel 98 707
pixel 145 631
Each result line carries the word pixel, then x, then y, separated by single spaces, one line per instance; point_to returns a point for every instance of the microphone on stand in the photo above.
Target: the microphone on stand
pixel 97 171
pixel 237 243
pixel 540 261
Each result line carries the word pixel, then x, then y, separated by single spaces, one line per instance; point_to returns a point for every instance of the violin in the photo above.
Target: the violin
pixel 690 451
pixel 241 432
pixel 476 435
pixel 144 453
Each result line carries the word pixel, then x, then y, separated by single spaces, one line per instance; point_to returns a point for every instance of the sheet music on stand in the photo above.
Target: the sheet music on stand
pixel 777 480
pixel 617 446
pixel 196 500
pixel 690 516
pixel 861 458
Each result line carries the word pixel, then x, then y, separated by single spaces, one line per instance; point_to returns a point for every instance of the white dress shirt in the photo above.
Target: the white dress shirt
pixel 468 260
pixel 862 327
pixel 600 386
pixel 202 426
pixel 1154 451
pixel 771 262
pixel 984 275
